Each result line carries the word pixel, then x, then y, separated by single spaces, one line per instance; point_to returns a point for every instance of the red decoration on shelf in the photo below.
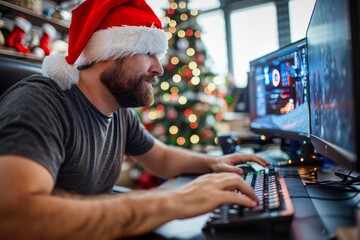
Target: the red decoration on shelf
pixel 17 37
pixel 49 32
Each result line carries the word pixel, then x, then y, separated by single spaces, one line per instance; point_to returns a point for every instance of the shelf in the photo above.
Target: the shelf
pixel 11 11
pixel 12 53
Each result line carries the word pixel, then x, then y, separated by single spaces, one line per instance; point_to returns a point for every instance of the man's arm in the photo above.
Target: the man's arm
pixel 28 210
pixel 169 161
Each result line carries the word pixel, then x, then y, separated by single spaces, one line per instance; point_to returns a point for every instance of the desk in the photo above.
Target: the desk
pixel 313 218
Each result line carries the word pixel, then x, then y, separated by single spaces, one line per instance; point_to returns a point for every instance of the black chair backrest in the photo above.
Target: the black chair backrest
pixel 13 70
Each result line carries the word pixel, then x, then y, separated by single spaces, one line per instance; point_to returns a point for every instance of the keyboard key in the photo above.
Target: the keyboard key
pixel 274 203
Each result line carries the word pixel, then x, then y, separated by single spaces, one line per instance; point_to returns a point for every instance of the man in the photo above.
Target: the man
pixel 64 135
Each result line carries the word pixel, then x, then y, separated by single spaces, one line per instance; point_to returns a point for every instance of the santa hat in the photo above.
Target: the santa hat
pixel 106 30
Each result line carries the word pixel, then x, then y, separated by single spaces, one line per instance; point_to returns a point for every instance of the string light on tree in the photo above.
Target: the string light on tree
pixel 186 100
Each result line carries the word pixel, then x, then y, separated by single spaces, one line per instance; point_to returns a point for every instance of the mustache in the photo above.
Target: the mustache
pixel 151 78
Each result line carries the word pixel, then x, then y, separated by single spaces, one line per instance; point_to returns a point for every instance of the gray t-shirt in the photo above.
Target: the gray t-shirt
pixel 80 147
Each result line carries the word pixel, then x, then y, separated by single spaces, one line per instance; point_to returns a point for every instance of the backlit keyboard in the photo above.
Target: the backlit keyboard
pixel 274 202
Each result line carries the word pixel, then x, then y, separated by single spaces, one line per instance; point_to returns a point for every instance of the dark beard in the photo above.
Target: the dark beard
pixel 129 91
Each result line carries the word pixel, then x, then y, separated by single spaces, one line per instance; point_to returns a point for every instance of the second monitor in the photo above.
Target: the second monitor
pixel 278 96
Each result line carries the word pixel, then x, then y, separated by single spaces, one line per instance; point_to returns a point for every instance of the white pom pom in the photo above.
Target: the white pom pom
pixel 56 67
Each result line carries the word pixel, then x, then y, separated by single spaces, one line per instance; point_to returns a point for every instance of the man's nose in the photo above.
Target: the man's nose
pixel 156 67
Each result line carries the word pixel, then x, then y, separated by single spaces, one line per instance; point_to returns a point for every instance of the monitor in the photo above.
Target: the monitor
pixel 333 65
pixel 278 93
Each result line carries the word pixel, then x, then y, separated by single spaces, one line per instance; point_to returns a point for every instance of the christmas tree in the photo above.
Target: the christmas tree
pixel 188 97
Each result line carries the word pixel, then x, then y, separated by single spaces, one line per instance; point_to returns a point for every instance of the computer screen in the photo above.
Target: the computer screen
pixel 333 54
pixel 278 93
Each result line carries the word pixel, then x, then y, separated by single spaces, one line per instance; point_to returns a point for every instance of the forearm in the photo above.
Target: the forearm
pixel 51 217
pixel 177 161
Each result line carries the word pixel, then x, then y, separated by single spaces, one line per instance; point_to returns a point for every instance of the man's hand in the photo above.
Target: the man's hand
pixel 211 190
pixel 227 163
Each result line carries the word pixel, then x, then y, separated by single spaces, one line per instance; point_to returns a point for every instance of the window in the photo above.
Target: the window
pixel 212 24
pixel 204 4
pixel 158 6
pixel 214 39
pixel 300 14
pixel 254 33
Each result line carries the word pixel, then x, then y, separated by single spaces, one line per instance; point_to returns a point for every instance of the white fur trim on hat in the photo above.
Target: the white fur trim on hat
pixel 56 67
pixel 118 42
pixel 108 44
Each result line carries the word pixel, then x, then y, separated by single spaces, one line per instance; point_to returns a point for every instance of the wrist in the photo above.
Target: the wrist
pixel 214 164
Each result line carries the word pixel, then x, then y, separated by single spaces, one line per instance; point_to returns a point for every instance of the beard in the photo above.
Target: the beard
pixel 128 89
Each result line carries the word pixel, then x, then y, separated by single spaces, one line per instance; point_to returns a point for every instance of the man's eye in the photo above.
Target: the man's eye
pixel 149 54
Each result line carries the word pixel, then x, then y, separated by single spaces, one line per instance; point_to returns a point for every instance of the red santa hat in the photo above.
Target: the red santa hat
pixel 106 30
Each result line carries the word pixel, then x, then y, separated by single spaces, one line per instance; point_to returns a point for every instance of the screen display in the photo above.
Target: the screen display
pixel 279 91
pixel 331 74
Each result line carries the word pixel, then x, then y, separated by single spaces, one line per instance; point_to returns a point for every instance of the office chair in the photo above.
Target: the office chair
pixel 13 70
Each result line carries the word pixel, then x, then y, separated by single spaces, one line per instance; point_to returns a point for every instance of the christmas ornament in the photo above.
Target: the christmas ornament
pixel 17 37
pixel 183 44
pixel 61 14
pixel 200 57
pixel 187 73
pixel 34 42
pixel 144 116
pixel 59 47
pixel 170 67
pixel 207 134
pixel 158 129
pixel 38 52
pixel 172 114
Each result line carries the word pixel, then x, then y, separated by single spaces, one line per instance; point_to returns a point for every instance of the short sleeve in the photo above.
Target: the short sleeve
pixel 32 125
pixel 139 140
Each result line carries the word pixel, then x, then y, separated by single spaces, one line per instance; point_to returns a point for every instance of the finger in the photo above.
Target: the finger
pixel 240 199
pixel 232 169
pixel 259 160
pixel 231 181
pixel 241 158
pixel 247 190
pixel 246 201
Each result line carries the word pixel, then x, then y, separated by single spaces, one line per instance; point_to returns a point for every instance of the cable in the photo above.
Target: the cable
pixel 343 182
pixel 354 180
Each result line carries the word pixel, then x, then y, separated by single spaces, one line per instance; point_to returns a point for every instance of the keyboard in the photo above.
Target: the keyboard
pixel 274 203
